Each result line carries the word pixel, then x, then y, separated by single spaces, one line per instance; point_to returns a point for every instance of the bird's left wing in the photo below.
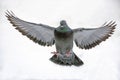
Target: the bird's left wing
pixel 39 33
pixel 88 38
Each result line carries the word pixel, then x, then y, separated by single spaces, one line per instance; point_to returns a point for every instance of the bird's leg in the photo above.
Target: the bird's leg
pixel 55 53
pixel 68 53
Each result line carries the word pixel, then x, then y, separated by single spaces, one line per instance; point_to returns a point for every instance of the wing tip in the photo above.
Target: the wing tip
pixel 9 14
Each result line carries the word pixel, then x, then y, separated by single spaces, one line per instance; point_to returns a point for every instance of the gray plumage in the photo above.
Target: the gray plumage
pixel 63 37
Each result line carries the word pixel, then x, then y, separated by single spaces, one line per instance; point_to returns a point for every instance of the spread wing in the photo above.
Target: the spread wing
pixel 88 38
pixel 39 33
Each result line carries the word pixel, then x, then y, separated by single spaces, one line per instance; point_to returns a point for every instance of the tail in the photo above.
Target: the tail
pixel 76 61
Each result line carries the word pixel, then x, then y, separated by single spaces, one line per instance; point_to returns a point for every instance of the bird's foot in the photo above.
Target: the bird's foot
pixel 55 53
pixel 68 53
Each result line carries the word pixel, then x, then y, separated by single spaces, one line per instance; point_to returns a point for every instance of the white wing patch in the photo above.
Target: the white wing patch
pixel 88 38
pixel 39 33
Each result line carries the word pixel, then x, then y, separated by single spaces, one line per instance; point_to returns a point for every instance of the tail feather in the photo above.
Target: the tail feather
pixel 77 61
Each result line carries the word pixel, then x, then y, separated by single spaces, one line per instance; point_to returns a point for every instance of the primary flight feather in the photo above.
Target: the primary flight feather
pixel 63 37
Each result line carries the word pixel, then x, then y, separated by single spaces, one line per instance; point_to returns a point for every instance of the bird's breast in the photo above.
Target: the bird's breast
pixel 66 34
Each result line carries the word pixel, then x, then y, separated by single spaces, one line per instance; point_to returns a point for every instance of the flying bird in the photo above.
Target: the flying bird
pixel 63 37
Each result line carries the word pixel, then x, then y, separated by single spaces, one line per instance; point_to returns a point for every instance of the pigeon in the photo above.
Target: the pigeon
pixel 63 37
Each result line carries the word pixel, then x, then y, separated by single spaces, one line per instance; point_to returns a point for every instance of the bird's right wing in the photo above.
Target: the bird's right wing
pixel 39 33
pixel 88 38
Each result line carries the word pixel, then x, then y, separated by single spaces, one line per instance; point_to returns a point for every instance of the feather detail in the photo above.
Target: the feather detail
pixel 39 33
pixel 88 38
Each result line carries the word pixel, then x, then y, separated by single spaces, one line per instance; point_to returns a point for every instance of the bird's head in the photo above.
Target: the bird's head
pixel 63 22
pixel 63 26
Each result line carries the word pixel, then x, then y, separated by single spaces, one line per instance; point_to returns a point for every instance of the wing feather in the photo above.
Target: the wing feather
pixel 39 33
pixel 88 38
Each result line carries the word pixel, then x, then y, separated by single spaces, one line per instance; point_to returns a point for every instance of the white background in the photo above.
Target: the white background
pixel 22 59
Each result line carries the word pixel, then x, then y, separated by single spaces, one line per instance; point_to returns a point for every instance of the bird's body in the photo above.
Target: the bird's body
pixel 64 45
pixel 63 37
